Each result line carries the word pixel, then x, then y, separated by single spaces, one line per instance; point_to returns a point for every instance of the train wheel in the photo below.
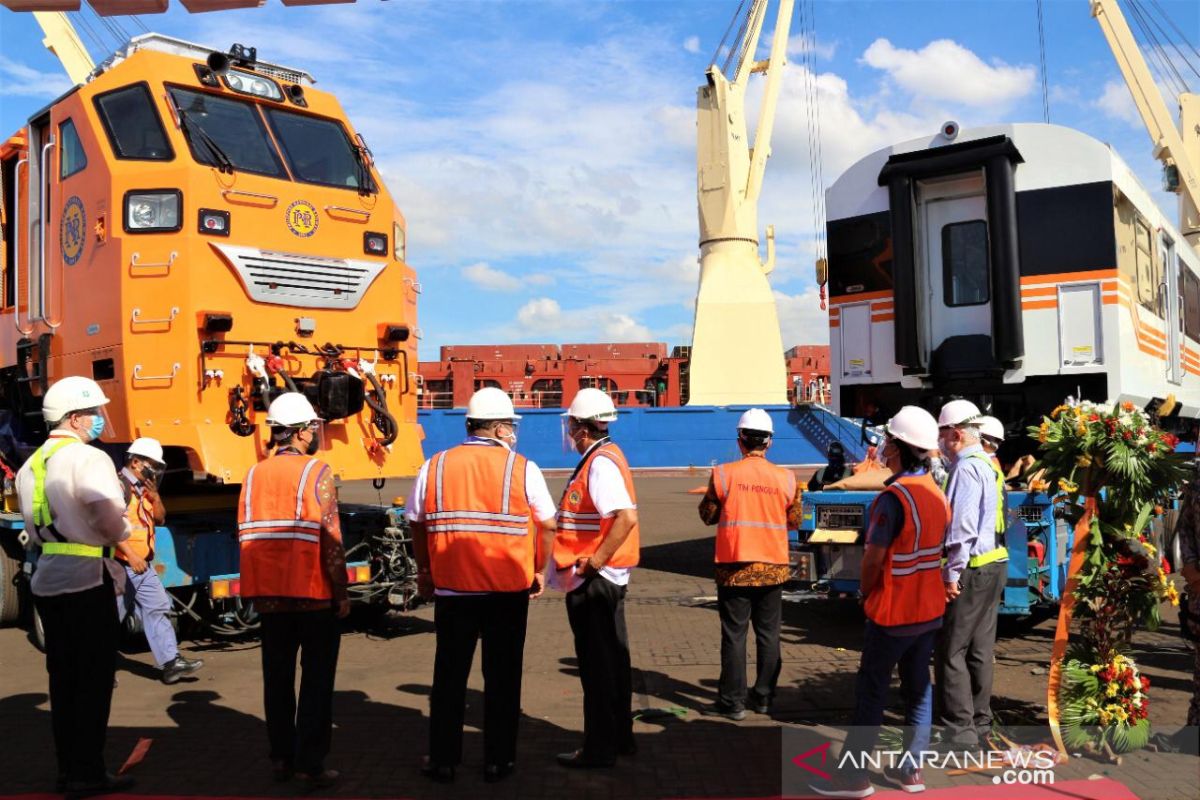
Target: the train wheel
pixel 10 589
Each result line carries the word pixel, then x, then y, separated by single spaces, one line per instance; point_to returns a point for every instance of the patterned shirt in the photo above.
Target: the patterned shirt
pixel 750 573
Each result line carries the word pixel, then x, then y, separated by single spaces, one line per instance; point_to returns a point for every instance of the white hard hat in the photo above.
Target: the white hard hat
pixel 958 412
pixel 592 405
pixel 491 403
pixel 146 448
pixel 914 426
pixel 291 410
pixel 755 419
pixel 74 393
pixel 990 426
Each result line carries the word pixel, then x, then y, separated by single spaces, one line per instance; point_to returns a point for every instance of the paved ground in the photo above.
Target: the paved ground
pixel 209 738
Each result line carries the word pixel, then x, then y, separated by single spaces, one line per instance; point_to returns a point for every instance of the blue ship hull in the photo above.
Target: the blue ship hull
pixel 666 438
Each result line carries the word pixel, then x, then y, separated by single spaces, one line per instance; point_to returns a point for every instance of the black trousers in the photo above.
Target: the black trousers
pixel 738 606
pixel 963 665
pixel 300 734
pixel 499 618
pixel 82 634
pixel 596 611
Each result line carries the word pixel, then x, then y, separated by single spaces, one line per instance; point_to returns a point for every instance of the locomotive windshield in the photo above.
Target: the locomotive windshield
pixel 226 133
pixel 318 150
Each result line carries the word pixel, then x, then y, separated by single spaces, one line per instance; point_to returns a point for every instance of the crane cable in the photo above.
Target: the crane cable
pixel 812 99
pixel 1042 55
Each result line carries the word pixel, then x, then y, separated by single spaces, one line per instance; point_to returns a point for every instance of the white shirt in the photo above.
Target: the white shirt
pixel 87 503
pixel 537 493
pixel 606 487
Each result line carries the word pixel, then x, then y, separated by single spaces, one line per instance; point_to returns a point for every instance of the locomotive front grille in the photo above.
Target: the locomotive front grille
pixel 305 281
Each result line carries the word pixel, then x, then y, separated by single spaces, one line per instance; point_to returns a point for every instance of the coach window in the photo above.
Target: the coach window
pixel 1191 302
pixel 133 125
pixel 965 264
pixel 1147 286
pixel 73 159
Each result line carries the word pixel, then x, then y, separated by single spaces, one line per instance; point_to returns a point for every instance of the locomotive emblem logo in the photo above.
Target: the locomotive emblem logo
pixel 71 230
pixel 302 218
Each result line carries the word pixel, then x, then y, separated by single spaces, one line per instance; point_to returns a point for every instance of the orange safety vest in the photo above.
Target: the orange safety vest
pixel 910 590
pixel 141 526
pixel 279 528
pixel 580 527
pixel 478 521
pixel 754 495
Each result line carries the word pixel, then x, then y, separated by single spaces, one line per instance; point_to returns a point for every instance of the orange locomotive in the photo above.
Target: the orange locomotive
pixel 197 231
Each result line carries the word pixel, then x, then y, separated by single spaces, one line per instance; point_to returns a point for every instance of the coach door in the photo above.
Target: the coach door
pixel 954 247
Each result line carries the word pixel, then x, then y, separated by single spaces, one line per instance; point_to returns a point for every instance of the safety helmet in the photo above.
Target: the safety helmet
pixel 491 403
pixel 74 393
pixel 592 405
pixel 291 410
pixel 755 419
pixel 958 412
pixel 914 426
pixel 991 427
pixel 146 448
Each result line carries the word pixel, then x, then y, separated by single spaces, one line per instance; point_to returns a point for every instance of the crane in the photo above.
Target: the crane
pixel 1177 148
pixel 63 41
pixel 737 351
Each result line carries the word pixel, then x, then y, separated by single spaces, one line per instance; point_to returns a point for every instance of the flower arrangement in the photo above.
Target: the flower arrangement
pixel 1106 704
pixel 1118 458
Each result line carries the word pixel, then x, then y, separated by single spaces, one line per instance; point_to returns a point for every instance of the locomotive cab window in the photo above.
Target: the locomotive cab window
pixel 319 151
pixel 133 125
pixel 226 133
pixel 965 264
pixel 73 159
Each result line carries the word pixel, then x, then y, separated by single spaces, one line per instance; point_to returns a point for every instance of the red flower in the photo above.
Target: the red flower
pixel 1106 674
pixel 1093 417
pixel 1145 683
pixel 1126 435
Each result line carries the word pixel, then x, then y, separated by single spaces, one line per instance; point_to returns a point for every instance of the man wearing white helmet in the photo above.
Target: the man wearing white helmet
pixel 904 603
pixel 596 549
pixel 974 576
pixel 753 503
pixel 991 436
pixel 293 567
pixel 144 594
pixel 74 511
pixel 475 511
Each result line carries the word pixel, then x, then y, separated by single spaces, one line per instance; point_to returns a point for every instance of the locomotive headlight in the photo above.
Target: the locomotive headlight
pixel 253 85
pixel 152 211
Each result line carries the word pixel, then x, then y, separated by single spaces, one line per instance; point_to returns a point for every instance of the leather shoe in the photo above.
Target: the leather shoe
pixel 76 790
pixel 577 760
pixel 728 712
pixel 494 773
pixel 435 773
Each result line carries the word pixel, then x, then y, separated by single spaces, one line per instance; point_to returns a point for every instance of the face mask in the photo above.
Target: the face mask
pixel 97 427
pixel 313 446
pixel 510 440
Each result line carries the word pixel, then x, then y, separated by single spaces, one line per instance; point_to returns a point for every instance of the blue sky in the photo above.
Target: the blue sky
pixel 544 155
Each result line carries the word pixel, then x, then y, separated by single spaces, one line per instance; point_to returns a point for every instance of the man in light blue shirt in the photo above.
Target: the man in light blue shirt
pixel 974 575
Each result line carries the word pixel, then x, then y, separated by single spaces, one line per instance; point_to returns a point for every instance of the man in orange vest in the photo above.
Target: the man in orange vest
pixel 594 553
pixel 753 503
pixel 144 592
pixel 294 569
pixel 475 511
pixel 904 602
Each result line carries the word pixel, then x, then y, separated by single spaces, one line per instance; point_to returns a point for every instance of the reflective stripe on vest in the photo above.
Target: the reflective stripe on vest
pixel 910 589
pixel 42 517
pixel 279 529
pixel 478 521
pixel 755 496
pixel 76 549
pixel 581 528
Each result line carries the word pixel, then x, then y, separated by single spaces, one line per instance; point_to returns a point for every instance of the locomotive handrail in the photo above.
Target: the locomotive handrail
pixel 16 244
pixel 46 148
pixel 138 376
pixel 133 262
pixel 229 194
pixel 365 215
pixel 137 312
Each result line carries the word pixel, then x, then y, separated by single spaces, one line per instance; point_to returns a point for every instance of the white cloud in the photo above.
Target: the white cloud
pixel 801 320
pixel 539 313
pixel 19 80
pixel 1116 102
pixel 945 70
pixel 544 319
pixel 692 44
pixel 486 277
pixel 801 43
